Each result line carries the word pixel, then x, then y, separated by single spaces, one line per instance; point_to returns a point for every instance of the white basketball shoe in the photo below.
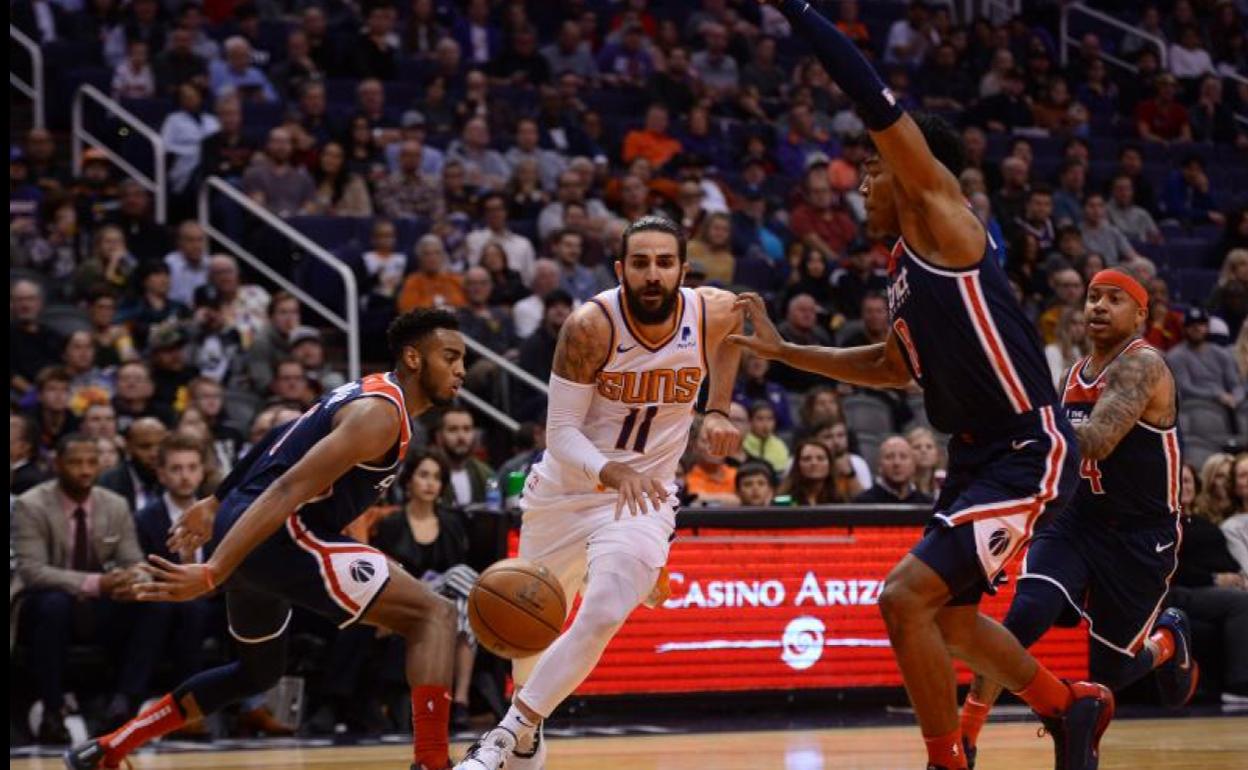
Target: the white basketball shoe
pixel 534 758
pixel 492 751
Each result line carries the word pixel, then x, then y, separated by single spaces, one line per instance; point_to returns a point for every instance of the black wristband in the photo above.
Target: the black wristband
pixel 716 411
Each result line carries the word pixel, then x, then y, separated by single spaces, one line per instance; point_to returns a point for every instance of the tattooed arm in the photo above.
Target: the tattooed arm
pixel 1138 386
pixel 583 346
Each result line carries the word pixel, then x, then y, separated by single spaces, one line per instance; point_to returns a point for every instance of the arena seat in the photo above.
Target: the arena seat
pixel 867 414
pixel 1208 420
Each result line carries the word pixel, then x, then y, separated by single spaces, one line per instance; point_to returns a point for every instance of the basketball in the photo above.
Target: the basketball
pixel 517 608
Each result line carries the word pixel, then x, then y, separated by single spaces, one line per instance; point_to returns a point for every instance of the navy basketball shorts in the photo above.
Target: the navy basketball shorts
pixel 1113 574
pixel 327 573
pixel 997 490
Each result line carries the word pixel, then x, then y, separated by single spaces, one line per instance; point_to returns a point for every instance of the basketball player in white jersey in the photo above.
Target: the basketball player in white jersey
pixel 600 507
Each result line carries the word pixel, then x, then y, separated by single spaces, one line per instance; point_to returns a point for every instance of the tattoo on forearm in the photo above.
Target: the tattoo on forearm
pixel 1129 385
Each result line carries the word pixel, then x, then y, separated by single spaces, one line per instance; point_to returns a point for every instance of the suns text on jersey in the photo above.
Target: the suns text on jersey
pixel 653 386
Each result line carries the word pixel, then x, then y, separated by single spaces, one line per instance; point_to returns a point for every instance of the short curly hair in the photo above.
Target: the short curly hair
pixel 413 327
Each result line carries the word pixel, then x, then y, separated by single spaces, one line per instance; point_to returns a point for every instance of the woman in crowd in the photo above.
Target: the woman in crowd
pixel 813 477
pixel 1209 584
pixel 508 286
pixel 431 542
pixel 1068 347
pixel 929 461
pixel 1235 527
pixel 712 248
pixel 340 192
pixel 525 196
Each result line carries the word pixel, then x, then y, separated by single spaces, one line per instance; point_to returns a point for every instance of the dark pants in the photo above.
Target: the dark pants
pixel 53 620
pixel 178 631
pixel 1226 610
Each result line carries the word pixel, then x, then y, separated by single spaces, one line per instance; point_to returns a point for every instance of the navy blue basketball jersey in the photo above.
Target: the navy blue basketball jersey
pixel 348 496
pixel 967 343
pixel 1140 477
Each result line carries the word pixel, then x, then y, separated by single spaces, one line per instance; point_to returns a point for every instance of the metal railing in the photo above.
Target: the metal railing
pixel 157 183
pixel 34 89
pixel 1235 77
pixel 349 325
pixel 1066 41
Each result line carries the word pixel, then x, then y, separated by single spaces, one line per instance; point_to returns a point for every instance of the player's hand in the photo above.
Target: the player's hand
pixel 195 527
pixel 722 436
pixel 640 494
pixel 766 340
pixel 174 582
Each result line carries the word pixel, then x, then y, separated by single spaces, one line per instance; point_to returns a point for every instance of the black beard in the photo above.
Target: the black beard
pixel 645 316
pixel 430 390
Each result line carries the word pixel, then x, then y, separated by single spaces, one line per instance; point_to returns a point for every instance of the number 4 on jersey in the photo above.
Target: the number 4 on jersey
pixel 643 432
pixel 1092 472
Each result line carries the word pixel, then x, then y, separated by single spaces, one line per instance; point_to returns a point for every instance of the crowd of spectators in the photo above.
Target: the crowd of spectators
pixel 495 151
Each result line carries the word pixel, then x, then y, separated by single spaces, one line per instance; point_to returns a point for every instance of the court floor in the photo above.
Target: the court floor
pixel 1205 743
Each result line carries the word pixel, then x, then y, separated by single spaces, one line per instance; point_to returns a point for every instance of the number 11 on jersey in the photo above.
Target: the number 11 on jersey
pixel 643 432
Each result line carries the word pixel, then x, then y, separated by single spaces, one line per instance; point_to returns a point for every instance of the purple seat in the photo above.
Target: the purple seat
pixel 327 232
pixel 1194 285
pixel 757 273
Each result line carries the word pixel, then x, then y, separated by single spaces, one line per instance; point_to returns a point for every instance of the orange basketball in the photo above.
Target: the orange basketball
pixel 517 608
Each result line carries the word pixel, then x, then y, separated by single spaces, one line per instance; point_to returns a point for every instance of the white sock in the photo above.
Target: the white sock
pixel 521 727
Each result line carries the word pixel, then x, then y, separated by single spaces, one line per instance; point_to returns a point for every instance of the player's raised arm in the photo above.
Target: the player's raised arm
pixel 582 350
pixel 873 366
pixel 365 430
pixel 928 186
pixel 722 321
pixel 1133 383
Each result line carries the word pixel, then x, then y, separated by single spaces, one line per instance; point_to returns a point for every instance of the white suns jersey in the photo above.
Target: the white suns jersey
pixel 644 400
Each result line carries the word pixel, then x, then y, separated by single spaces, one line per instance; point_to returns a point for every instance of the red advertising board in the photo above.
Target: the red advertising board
pixel 779 609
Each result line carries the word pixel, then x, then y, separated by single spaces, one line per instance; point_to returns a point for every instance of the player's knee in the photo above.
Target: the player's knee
pixel 899 602
pixel 1035 609
pixel 599 621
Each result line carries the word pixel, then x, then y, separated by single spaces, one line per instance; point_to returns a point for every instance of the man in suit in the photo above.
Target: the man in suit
pixel 135 478
pixel 180 468
pixel 78 559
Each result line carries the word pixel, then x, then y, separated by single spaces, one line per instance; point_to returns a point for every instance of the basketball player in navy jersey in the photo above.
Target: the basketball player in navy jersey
pixel 278 523
pixel 1110 555
pixel 959 333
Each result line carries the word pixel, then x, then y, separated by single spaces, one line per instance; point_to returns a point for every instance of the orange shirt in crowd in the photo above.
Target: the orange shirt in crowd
pixel 723 481
pixel 656 148
pixel 441 290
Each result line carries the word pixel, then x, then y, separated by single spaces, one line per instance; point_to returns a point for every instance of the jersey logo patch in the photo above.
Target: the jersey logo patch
pixel 361 571
pixel 998 542
pixel 686 340
pixel 624 348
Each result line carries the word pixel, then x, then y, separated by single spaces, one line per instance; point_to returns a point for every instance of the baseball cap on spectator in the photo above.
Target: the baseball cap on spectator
pixel 412 119
pixel 165 336
pixel 207 296
pixel 557 297
pixel 1195 315
pixel 303 334
pixel 816 159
